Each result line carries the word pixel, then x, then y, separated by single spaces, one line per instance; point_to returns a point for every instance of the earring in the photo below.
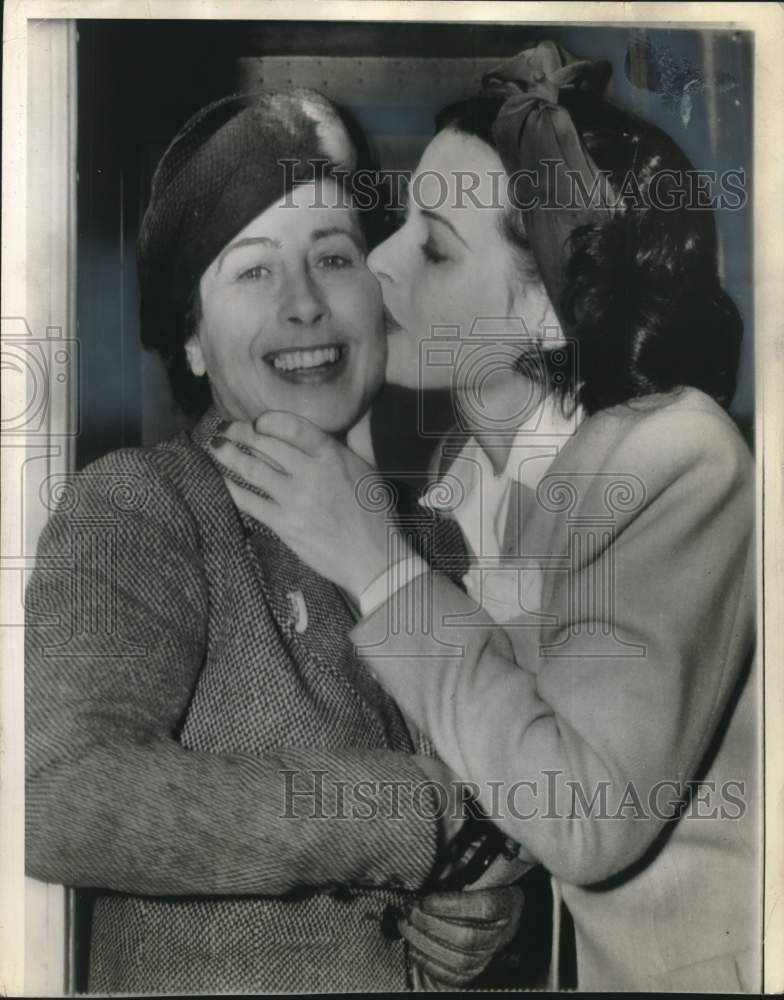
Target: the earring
pixel 549 326
pixel 195 358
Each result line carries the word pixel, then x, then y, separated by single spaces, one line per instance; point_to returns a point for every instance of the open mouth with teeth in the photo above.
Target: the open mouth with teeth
pixel 308 364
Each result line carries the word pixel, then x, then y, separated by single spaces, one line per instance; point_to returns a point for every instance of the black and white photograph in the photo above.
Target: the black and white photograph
pixel 392 502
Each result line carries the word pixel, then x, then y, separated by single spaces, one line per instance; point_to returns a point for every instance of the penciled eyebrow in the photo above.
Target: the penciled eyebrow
pixel 317 234
pixel 248 241
pixel 321 234
pixel 429 214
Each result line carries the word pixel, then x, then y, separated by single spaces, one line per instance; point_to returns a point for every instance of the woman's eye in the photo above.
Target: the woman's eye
pixel 334 262
pixel 432 254
pixel 254 273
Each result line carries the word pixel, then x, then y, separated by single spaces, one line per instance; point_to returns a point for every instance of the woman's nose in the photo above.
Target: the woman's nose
pixel 303 302
pixel 381 260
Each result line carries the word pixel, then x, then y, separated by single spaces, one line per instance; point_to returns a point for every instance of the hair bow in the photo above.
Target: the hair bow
pixel 544 70
pixel 539 144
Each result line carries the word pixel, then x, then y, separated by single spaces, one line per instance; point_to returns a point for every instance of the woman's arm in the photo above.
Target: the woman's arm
pixel 544 727
pixel 553 731
pixel 116 628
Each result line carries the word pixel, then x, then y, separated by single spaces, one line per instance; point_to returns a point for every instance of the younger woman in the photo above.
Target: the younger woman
pixel 593 676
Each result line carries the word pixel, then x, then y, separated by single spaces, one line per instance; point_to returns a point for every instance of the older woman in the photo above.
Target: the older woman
pixel 203 746
pixel 594 675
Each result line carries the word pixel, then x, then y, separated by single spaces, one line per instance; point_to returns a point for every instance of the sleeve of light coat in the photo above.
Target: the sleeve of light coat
pixel 116 626
pixel 502 709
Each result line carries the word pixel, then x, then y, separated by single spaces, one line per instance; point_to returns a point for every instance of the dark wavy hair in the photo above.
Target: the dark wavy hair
pixel 642 298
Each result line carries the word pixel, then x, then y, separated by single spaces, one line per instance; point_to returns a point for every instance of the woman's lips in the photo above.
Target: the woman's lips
pixel 390 323
pixel 320 363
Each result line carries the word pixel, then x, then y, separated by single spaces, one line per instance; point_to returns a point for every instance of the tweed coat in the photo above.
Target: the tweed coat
pixel 203 746
pixel 632 684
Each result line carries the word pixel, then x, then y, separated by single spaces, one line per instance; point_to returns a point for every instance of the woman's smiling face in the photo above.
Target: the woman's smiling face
pixel 451 265
pixel 291 317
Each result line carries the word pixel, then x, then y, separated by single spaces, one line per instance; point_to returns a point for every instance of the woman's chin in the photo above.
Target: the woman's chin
pixel 336 422
pixel 403 362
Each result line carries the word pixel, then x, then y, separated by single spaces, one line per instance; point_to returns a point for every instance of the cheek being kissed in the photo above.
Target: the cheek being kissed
pixel 291 317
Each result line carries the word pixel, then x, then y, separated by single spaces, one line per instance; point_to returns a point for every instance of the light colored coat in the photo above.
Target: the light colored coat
pixel 633 678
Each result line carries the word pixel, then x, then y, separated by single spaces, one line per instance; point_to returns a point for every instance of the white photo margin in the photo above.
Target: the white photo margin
pixel 38 287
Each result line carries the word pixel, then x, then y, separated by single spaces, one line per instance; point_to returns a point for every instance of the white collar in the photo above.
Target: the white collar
pixel 535 447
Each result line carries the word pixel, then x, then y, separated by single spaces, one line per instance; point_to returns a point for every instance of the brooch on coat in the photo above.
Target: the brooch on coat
pixel 299 610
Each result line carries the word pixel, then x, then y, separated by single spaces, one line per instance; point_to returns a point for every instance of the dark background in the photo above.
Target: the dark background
pixel 138 81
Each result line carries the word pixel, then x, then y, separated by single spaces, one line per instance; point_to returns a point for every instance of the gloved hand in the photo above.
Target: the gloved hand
pixel 453 936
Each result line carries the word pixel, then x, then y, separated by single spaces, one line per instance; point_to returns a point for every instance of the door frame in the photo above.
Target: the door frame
pixel 39 424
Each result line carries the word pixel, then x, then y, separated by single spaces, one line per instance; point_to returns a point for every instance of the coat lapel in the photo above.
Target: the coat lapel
pixel 512 539
pixel 312 617
pixel 315 619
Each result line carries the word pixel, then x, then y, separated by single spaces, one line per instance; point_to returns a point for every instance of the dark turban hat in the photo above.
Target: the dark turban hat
pixel 230 161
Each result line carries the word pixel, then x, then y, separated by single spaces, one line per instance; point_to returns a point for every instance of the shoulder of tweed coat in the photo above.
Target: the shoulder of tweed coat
pixel 190 747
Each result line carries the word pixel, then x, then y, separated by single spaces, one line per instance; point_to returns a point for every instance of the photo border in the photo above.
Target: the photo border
pixel 766 21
